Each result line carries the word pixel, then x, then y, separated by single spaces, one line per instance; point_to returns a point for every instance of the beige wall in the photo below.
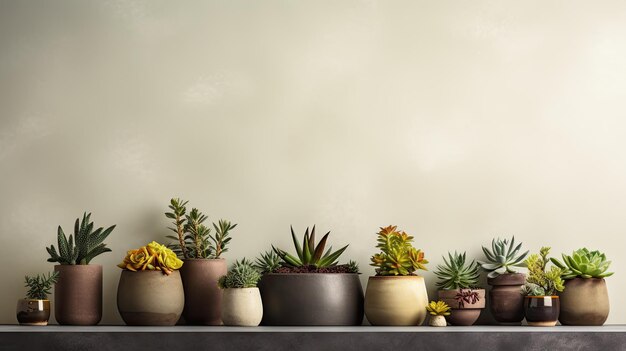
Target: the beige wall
pixel 458 121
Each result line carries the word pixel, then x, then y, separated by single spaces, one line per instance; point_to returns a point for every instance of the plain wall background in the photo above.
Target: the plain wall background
pixel 458 121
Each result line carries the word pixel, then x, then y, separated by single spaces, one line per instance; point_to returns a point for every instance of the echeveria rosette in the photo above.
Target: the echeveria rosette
pixel 153 256
pixel 584 264
pixel 503 257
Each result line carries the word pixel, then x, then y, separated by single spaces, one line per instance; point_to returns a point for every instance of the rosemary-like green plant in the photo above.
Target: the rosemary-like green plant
pixel 268 262
pixel 397 255
pixel 584 264
pixel 503 257
pixel 456 274
pixel 242 274
pixel 309 254
pixel 541 281
pixel 39 285
pixel 83 246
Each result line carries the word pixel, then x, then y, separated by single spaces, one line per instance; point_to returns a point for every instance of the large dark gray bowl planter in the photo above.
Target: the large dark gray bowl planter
pixel 311 299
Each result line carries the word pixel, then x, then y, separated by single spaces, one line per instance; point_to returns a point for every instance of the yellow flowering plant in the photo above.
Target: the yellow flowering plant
pixel 153 256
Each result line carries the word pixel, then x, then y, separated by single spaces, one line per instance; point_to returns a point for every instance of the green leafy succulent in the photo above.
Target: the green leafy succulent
pixel 242 274
pixel 456 274
pixel 503 257
pixel 39 286
pixel 308 253
pixel 268 262
pixel 541 281
pixel 397 256
pixel 584 264
pixel 438 308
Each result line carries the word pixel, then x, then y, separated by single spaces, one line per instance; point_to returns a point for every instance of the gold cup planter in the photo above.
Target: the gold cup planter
pixel 396 300
pixel 33 312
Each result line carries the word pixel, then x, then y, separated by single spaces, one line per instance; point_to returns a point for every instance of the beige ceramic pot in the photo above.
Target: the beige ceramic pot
pixel 584 302
pixel 396 300
pixel 150 297
pixel 78 294
pixel 437 321
pixel 463 312
pixel 242 307
pixel 203 298
pixel 33 312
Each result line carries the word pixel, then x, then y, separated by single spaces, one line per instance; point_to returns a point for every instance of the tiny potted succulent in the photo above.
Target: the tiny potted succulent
pixel 78 292
pixel 202 253
pixel 35 308
pixel 541 305
pixel 504 258
pixel 438 311
pixel 585 300
pixel 458 287
pixel 150 290
pixel 310 287
pixel 241 302
pixel 396 295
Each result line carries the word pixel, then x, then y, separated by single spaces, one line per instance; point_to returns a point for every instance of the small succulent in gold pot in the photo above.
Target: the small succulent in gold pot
pixel 35 308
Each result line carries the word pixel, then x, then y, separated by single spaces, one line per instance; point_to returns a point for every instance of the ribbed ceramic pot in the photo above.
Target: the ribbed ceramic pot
pixel 33 312
pixel 78 294
pixel 505 301
pixel 242 307
pixel 150 297
pixel 584 302
pixel 311 299
pixel 396 300
pixel 437 321
pixel 541 311
pixel 462 314
pixel 203 298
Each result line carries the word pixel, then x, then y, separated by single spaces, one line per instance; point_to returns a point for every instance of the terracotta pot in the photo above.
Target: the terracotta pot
pixel 396 300
pixel 584 302
pixel 462 313
pixel 437 321
pixel 242 307
pixel 311 299
pixel 541 311
pixel 203 298
pixel 505 301
pixel 33 312
pixel 150 297
pixel 78 294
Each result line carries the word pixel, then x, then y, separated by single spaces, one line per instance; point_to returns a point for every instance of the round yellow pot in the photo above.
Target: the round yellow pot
pixel 242 307
pixel 396 300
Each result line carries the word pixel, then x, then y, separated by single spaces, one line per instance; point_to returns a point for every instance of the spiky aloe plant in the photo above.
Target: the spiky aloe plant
pixel 268 261
pixel 438 308
pixel 310 254
pixel 83 246
pixel 242 274
pixel 397 255
pixel 503 257
pixel 584 264
pixel 456 274
pixel 39 286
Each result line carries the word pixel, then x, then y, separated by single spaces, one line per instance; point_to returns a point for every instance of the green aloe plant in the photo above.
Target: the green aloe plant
pixel 310 254
pixel 456 274
pixel 584 264
pixel 268 262
pixel 242 274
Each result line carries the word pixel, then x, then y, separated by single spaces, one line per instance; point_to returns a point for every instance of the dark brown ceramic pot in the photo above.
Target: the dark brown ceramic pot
pixel 505 301
pixel 463 312
pixel 584 302
pixel 78 294
pixel 541 311
pixel 203 298
pixel 311 299
pixel 33 312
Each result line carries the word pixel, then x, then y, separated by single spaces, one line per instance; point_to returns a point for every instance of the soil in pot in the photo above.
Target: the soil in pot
pixel 78 294
pixel 584 302
pixel 33 312
pixel 203 298
pixel 541 311
pixel 464 312
pixel 505 301
pixel 396 300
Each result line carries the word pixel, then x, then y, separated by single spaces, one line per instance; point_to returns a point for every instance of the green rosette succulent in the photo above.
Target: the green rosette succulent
pixel 584 264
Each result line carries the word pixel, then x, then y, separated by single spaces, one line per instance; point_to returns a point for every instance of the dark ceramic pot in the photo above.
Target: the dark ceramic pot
pixel 78 294
pixel 505 301
pixel 33 312
pixel 462 313
pixel 203 298
pixel 311 299
pixel 541 311
pixel 584 302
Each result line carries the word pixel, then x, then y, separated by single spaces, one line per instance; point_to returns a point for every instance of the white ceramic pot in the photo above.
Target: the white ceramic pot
pixel 242 307
pixel 437 321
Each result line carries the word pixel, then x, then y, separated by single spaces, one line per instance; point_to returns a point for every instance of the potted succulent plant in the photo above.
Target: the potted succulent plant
pixel 458 287
pixel 310 287
pixel 438 311
pixel 241 302
pixel 150 291
pixel 585 300
pixel 78 292
pixel 505 301
pixel 201 251
pixel 35 308
pixel 541 305
pixel 396 295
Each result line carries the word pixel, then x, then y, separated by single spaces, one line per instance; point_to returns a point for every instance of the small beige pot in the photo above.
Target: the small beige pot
pixel 584 302
pixel 396 300
pixel 437 321
pixel 242 307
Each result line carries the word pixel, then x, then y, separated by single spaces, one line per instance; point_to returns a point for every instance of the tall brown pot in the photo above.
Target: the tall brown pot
pixel 506 303
pixel 203 298
pixel 584 302
pixel 78 294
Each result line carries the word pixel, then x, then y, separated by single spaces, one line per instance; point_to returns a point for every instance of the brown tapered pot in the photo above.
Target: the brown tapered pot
pixel 541 311
pixel 584 302
pixel 505 301
pixel 203 298
pixel 462 313
pixel 33 312
pixel 78 294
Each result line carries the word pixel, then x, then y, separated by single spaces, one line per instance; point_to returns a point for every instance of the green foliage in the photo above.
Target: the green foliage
pixel 540 281
pixel 456 274
pixel 438 308
pixel 397 256
pixel 309 254
pixel 503 257
pixel 242 274
pixel 193 238
pixel 584 264
pixel 83 246
pixel 39 286
pixel 353 267
pixel 268 262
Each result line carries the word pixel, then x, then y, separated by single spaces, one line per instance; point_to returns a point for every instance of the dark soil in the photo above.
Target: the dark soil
pixel 343 268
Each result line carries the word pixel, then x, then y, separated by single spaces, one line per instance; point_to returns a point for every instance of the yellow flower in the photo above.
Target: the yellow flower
pixel 153 256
